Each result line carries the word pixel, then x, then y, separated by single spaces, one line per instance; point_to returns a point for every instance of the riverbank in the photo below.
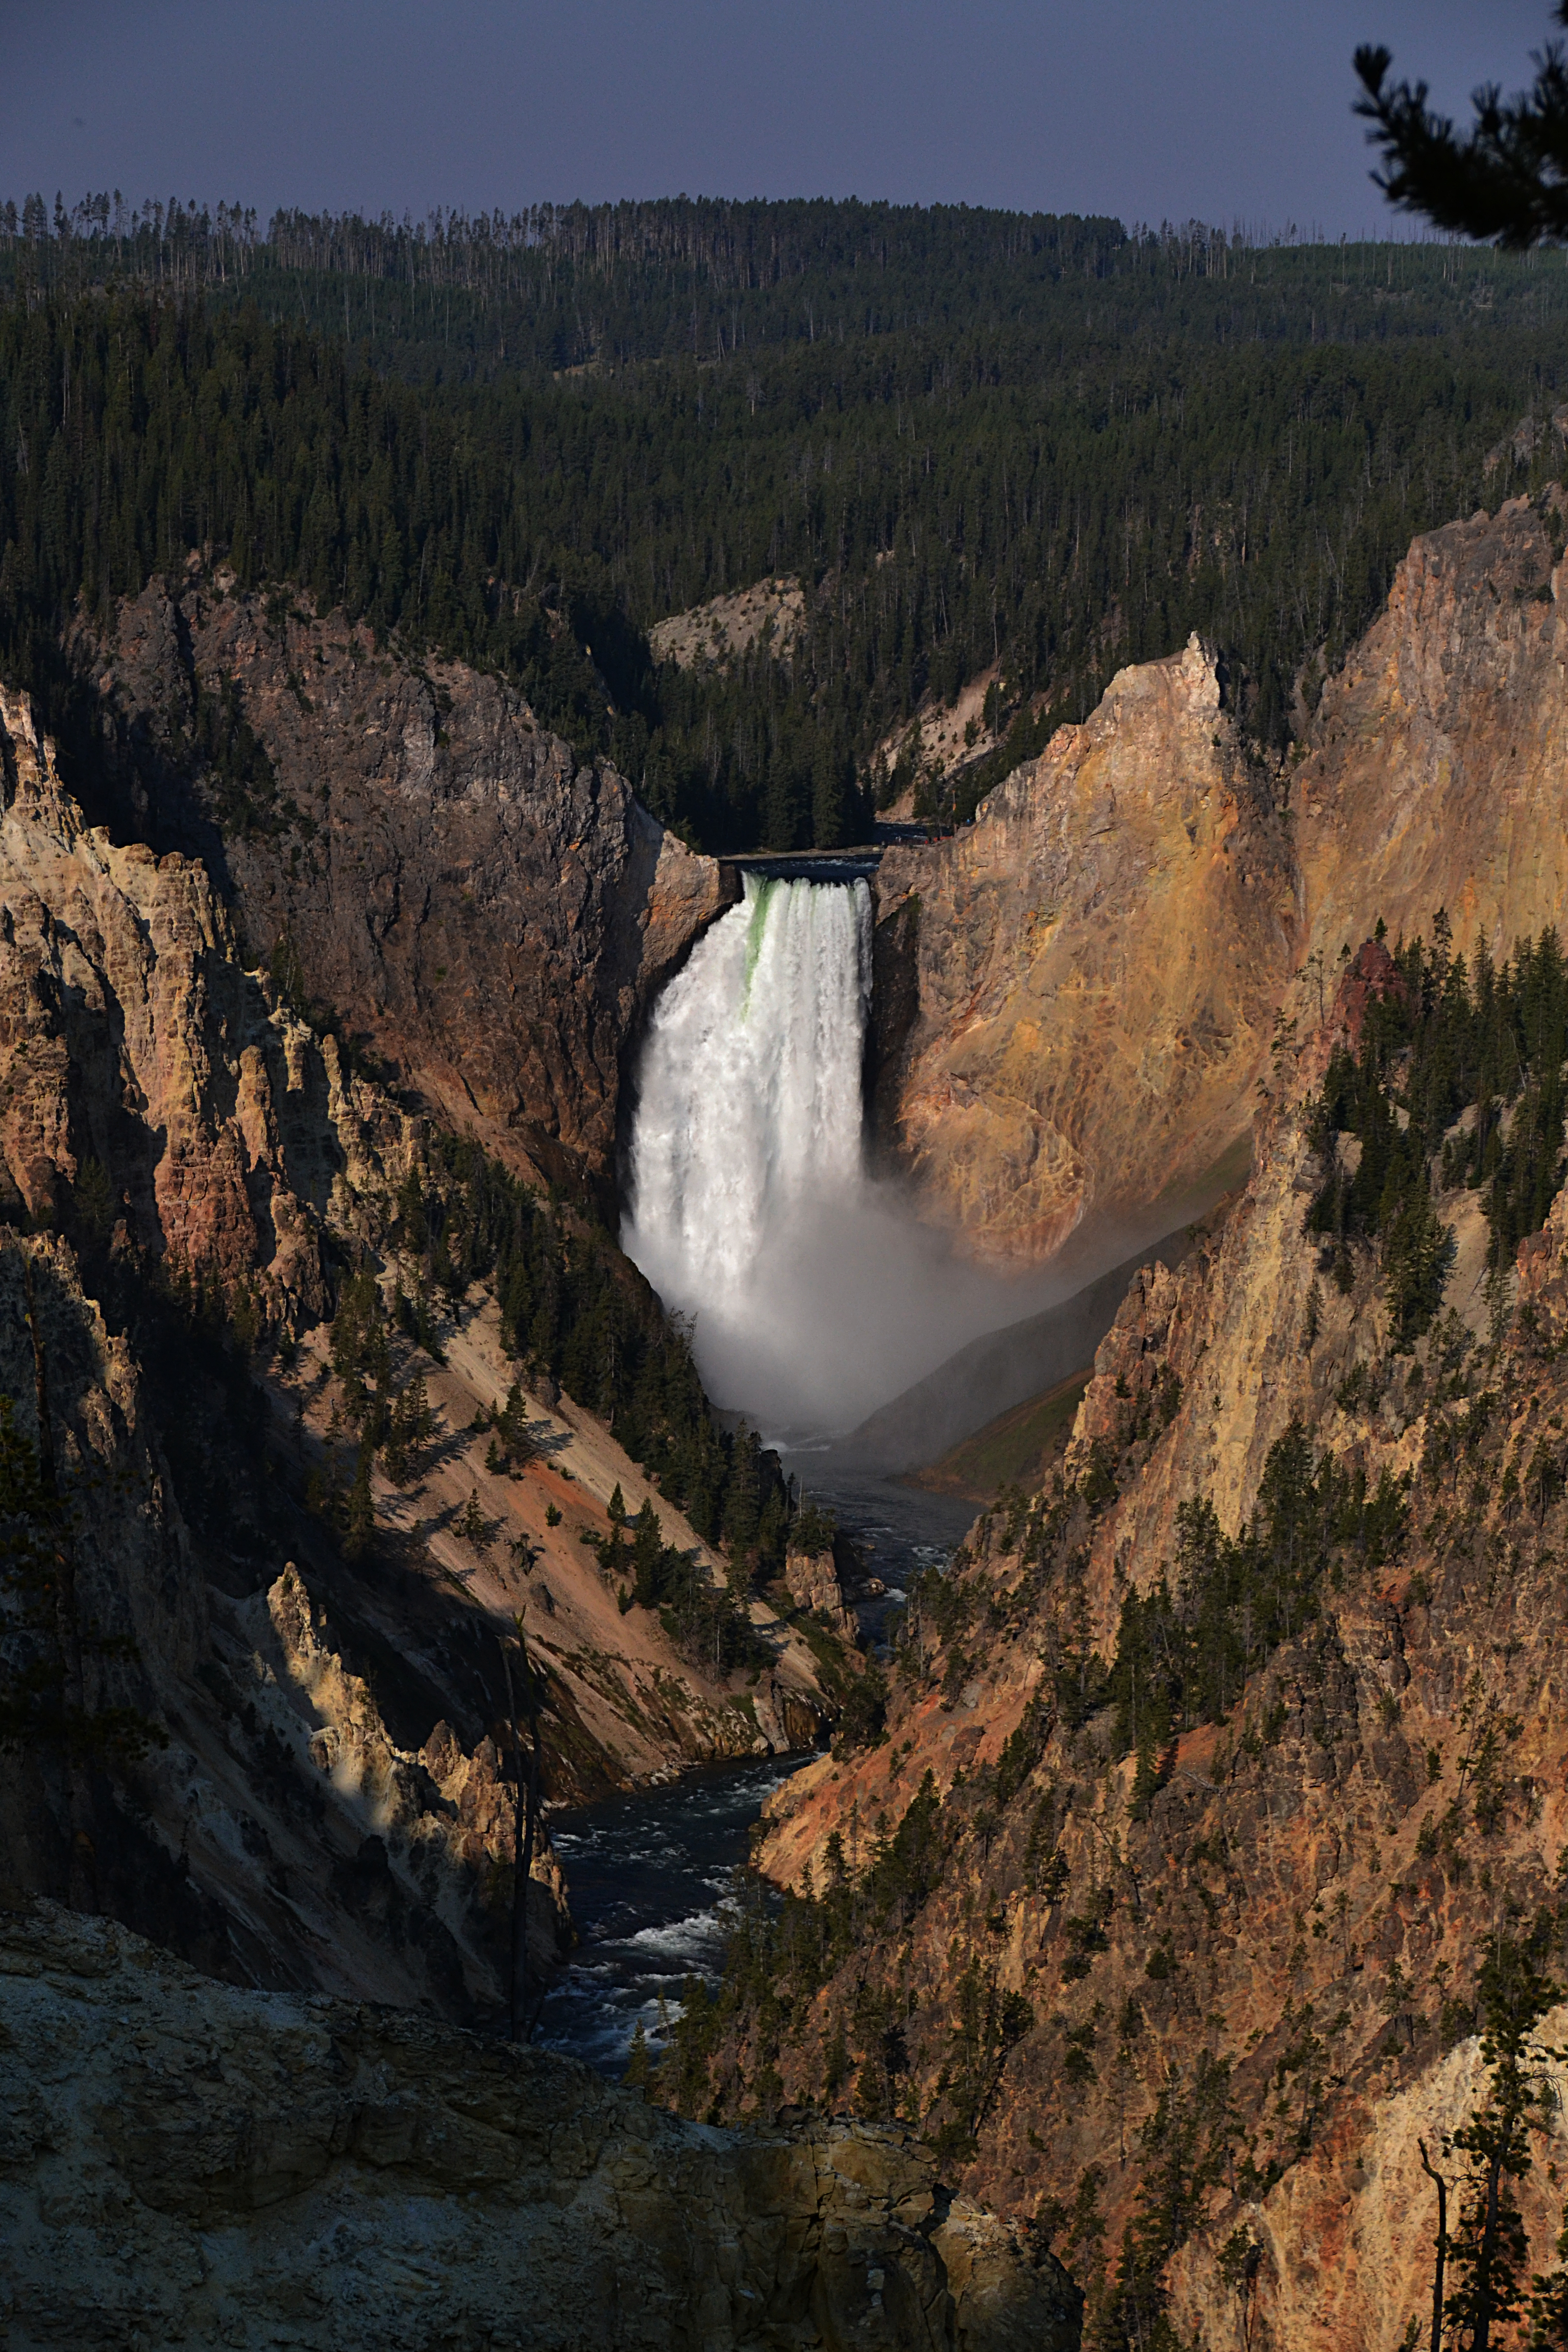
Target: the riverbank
pixel 649 1871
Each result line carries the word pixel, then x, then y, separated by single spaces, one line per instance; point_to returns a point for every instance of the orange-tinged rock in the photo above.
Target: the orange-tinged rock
pixel 1078 993
pixel 1094 966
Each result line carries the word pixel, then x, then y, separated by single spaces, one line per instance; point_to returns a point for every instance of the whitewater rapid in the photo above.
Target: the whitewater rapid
pixel 814 1294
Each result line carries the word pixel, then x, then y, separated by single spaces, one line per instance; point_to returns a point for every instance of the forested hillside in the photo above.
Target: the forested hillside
pixel 1044 445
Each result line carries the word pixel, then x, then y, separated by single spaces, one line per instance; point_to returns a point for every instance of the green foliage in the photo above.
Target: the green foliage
pixel 1436 1043
pixel 32 1537
pixel 1185 2145
pixel 977 438
pixel 637 2073
pixel 991 2022
pixel 811 1529
pixel 223 751
pixel 44 1644
pixel 471 1527
pixel 1021 1752
pixel 1501 179
pixel 1183 1655
pixel 1488 2249
pixel 703 1619
pixel 92 1202
pixel 1086 1935
pixel 358 1519
pixel 864 1713
pixel 573 1306
pixel 778 1957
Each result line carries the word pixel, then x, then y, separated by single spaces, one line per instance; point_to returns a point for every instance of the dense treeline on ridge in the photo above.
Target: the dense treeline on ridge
pixel 983 441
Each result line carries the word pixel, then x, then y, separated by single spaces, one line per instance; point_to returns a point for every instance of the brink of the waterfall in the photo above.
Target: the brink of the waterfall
pixel 814 1294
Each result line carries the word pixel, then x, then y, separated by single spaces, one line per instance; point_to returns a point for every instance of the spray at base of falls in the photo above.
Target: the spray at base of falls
pixel 816 1295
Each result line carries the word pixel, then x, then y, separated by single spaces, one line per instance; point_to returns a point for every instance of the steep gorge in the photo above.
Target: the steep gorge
pixel 1090 1959
pixel 302 1622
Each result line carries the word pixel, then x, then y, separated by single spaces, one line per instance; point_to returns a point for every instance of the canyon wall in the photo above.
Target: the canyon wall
pixel 1255 1954
pixel 309 1783
pixel 1432 773
pixel 483 912
pixel 1077 993
pixel 1086 978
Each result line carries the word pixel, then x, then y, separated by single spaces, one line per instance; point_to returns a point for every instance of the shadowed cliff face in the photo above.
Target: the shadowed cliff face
pixel 488 918
pixel 1077 993
pixel 1252 1954
pixel 329 1798
pixel 134 1037
pixel 334 2175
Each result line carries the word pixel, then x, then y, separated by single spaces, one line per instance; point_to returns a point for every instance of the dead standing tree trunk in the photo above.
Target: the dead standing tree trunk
pixel 1442 2245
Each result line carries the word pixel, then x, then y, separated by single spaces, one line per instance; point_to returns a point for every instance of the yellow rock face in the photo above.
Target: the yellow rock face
pixel 1435 770
pixel 1078 991
pixel 1098 960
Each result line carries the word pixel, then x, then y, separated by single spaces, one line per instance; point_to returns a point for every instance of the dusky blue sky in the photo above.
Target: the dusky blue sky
pixel 1219 110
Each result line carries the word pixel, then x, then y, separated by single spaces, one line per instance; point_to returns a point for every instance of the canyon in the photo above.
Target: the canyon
pixel 1074 996
pixel 1257 1955
pixel 323 1796
pixel 313 952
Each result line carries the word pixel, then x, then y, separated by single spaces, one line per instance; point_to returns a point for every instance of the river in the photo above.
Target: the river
pixel 647 1873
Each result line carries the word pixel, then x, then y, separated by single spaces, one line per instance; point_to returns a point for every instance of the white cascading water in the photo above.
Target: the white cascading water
pixel 814 1294
pixel 750 1098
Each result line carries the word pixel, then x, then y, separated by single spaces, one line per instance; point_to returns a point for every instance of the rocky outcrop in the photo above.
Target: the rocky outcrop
pixel 1089 972
pixel 813 1582
pixel 221 1131
pixel 942 739
pixel 483 913
pixel 769 615
pixel 1432 773
pixel 1077 993
pixel 183 2162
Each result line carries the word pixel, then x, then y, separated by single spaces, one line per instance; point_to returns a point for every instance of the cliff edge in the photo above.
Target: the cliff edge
pixel 192 2165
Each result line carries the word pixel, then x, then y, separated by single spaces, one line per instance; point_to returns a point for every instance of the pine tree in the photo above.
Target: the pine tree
pixel 359 1523
pixel 1505 180
pixel 647 1557
pixel 1488 2247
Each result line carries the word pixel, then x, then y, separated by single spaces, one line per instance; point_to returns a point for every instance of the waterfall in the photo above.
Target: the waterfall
pixel 750 1096
pixel 813 1293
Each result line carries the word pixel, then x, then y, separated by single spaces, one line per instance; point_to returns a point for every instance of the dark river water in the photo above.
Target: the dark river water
pixel 648 1874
